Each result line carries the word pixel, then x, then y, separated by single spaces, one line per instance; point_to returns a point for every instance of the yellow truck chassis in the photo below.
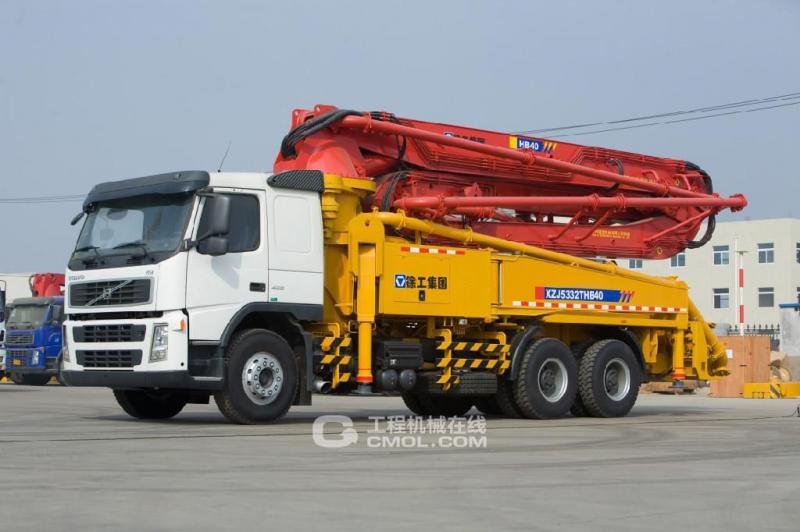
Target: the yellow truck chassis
pixel 476 299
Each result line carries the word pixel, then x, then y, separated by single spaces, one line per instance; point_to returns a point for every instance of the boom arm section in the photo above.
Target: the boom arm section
pixel 575 199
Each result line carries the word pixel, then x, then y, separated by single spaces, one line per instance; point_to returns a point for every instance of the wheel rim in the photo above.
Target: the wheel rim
pixel 552 380
pixel 262 378
pixel 617 379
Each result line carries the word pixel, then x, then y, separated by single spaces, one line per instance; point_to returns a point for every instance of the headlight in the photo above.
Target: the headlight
pixel 158 350
pixel 35 358
pixel 64 348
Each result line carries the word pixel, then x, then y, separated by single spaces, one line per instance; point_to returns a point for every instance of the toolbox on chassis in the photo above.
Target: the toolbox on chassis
pixel 261 288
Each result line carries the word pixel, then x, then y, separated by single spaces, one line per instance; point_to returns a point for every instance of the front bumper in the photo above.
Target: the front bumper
pixel 133 352
pixel 28 360
pixel 181 380
pixel 21 370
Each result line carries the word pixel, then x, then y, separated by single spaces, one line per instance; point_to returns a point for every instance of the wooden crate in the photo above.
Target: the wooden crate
pixel 748 361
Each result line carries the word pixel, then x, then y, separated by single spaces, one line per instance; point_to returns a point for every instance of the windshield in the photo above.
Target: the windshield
pixel 26 316
pixel 137 225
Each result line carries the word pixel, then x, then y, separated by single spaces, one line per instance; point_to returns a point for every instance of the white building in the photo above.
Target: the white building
pixel 770 255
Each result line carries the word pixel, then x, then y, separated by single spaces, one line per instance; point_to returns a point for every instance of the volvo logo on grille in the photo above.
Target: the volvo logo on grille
pixel 108 292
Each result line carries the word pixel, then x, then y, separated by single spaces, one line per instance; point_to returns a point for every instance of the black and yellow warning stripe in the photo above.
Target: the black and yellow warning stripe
pixel 448 379
pixel 774 391
pixel 473 347
pixel 336 360
pixel 331 343
pixel 474 363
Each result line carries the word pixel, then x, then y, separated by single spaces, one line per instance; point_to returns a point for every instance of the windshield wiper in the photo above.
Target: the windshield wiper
pixel 88 248
pixel 134 243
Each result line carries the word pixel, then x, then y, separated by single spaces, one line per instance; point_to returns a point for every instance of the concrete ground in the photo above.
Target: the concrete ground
pixel 72 460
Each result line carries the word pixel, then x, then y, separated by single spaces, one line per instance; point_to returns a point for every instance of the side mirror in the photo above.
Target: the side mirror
pixel 213 245
pixel 216 217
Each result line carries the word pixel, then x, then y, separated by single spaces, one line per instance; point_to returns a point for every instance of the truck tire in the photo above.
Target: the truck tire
pixel 608 379
pixel 547 381
pixel 413 403
pixel 59 372
pixel 261 378
pixel 505 399
pixel 488 405
pixel 579 349
pixel 438 405
pixel 30 380
pixel 577 409
pixel 150 404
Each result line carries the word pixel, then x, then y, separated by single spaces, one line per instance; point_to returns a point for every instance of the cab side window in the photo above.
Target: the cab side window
pixel 245 224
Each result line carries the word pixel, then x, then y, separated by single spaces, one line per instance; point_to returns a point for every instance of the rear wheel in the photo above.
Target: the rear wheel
pixel 150 404
pixel 438 405
pixel 488 405
pixel 609 379
pixel 505 399
pixel 261 378
pixel 546 385
pixel 577 409
pixel 413 403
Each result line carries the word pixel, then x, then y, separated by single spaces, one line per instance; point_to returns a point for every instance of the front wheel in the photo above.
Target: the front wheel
pixel 261 378
pixel 150 404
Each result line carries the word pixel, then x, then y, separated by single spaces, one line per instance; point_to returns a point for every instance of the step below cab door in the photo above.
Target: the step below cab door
pixel 218 286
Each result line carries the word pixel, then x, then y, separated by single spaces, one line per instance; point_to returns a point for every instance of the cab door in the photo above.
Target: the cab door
pixel 217 287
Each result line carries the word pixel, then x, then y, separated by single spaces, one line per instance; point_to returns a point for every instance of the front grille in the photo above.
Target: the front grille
pixel 19 339
pixel 109 293
pixel 108 333
pixel 17 354
pixel 109 358
pixel 116 316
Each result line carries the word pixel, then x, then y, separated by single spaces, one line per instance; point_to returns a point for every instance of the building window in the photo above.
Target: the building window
pixel 721 255
pixel 797 253
pixel 679 260
pixel 766 297
pixel 722 298
pixel 635 264
pixel 766 253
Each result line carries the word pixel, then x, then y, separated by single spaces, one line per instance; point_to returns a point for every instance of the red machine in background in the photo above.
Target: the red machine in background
pixel 575 199
pixel 46 284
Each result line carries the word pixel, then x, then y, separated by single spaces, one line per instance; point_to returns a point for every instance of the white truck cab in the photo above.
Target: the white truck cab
pixel 167 267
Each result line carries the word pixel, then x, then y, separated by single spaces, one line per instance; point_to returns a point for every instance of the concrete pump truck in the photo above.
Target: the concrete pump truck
pixel 454 266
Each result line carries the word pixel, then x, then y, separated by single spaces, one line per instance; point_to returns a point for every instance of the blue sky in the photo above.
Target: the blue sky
pixel 98 90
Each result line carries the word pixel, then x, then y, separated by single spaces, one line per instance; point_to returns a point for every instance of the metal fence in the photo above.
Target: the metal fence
pixel 773 331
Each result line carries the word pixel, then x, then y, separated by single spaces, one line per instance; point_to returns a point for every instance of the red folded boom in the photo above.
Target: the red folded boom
pixel 581 200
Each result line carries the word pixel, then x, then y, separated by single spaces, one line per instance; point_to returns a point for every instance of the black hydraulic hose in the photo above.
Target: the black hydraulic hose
pixel 312 126
pixel 711 225
pixel 620 171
